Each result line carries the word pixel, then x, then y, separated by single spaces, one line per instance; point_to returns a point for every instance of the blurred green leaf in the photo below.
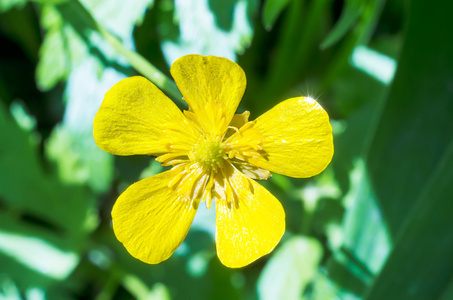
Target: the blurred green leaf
pixel 78 159
pixel 360 35
pixel 202 33
pixel 62 49
pixel 120 17
pixel 272 10
pixel 43 196
pixel 349 15
pixel 346 274
pixel 8 290
pixel 72 35
pixel 39 217
pixel 298 39
pixel 375 64
pixel 416 125
pixel 30 245
pixel 137 288
pixel 421 265
pixel 22 117
pixel 97 68
pixel 290 269
pixel 6 5
pixel 364 230
pixel 448 292
pixel 411 161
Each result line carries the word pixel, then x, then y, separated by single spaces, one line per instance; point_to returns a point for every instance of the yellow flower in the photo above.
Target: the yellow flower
pixel 215 154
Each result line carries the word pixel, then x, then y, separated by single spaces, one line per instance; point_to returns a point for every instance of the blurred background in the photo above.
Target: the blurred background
pixel 376 224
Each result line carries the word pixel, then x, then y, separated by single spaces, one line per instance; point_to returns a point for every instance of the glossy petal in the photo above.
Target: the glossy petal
pixel 251 226
pixel 150 220
pixel 294 138
pixel 137 118
pixel 212 86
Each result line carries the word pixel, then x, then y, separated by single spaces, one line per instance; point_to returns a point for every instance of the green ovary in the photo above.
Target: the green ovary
pixel 209 154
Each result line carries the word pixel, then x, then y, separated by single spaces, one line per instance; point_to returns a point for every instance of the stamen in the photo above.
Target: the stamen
pixel 235 129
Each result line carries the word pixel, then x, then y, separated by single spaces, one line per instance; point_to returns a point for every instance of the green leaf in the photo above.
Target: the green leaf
pixel 30 246
pixel 290 269
pixel 61 51
pixel 416 125
pixel 411 161
pixel 349 16
pixel 72 34
pixel 272 10
pixel 420 266
pixel 71 145
pixel 6 5
pixel 364 229
pixel 32 193
pixel 86 62
pixel 203 28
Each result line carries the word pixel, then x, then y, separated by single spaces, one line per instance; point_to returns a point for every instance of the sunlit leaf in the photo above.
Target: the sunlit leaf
pixel 290 269
pixel 43 198
pixel 61 50
pixel 6 5
pixel 411 161
pixel 375 64
pixel 322 288
pixel 202 33
pixel 71 145
pixel 8 290
pixel 364 229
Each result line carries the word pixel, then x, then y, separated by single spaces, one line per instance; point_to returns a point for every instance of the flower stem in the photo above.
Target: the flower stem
pixel 138 62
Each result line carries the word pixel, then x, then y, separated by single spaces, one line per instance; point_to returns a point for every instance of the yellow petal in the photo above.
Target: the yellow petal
pixel 212 86
pixel 137 118
pixel 294 138
pixel 150 220
pixel 251 226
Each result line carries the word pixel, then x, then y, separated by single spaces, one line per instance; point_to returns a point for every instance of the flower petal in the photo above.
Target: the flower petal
pixel 137 118
pixel 150 220
pixel 294 138
pixel 249 228
pixel 212 86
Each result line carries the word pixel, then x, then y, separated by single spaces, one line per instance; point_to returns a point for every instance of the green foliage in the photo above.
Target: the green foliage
pixel 221 28
pixel 272 10
pixel 290 269
pixel 375 225
pixel 6 5
pixel 349 15
pixel 416 197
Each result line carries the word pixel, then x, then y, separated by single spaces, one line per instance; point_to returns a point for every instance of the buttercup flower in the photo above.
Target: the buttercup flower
pixel 215 155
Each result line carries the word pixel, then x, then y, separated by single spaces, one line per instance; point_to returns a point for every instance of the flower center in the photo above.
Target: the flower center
pixel 209 154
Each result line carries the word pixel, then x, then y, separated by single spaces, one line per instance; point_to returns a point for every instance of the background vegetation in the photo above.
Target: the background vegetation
pixel 377 224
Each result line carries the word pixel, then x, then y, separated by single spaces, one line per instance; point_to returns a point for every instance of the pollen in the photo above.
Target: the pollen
pixel 209 153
